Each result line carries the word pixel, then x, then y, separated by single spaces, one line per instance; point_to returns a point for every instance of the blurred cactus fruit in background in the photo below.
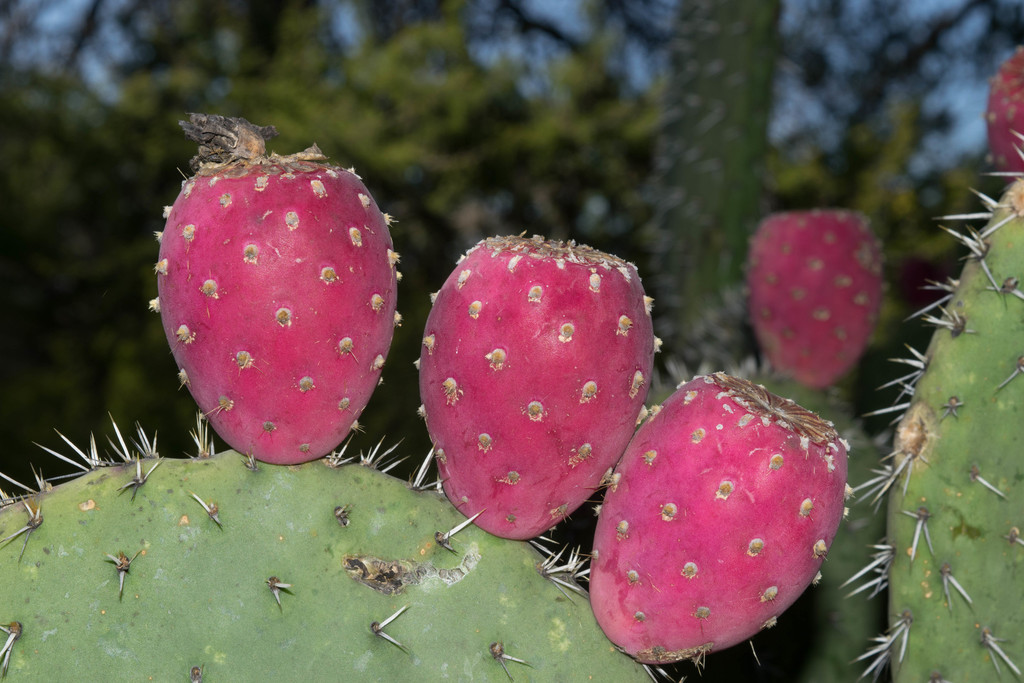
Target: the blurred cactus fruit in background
pixel 815 289
pixel 718 517
pixel 536 360
pixel 1004 115
pixel 277 287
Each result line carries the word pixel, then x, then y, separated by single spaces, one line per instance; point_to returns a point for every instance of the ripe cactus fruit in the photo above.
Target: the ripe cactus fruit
pixel 1004 115
pixel 304 569
pixel 718 516
pixel 815 281
pixel 535 364
pixel 277 289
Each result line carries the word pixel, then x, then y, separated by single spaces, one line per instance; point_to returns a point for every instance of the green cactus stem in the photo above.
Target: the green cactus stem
pixel 711 152
pixel 279 573
pixel 955 502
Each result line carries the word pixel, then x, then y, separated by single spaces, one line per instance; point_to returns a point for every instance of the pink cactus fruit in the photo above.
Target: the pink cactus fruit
pixel 1004 114
pixel 815 287
pixel 718 517
pixel 535 364
pixel 277 290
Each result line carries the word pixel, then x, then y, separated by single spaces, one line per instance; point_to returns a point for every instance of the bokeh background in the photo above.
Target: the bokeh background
pixel 659 130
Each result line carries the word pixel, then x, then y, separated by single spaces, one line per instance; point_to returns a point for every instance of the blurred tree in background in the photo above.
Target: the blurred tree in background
pixel 466 118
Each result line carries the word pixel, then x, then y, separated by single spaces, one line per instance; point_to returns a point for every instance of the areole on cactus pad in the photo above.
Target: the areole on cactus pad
pixel 536 361
pixel 277 291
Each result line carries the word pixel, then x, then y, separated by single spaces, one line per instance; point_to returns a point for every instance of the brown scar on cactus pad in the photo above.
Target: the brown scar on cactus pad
pixel 535 361
pixel 392 577
pixel 289 258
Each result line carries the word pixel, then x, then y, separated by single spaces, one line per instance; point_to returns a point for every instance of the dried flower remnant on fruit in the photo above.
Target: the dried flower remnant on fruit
pixel 758 400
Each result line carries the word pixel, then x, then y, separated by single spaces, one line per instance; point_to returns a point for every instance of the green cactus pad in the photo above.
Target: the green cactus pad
pixel 957 455
pixel 349 547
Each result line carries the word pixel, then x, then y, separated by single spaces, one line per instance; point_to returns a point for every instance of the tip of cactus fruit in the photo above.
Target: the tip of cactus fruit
pixel 223 139
pixel 759 400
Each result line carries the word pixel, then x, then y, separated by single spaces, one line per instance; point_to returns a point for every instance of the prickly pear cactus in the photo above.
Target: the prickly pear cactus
pixel 956 504
pixel 157 568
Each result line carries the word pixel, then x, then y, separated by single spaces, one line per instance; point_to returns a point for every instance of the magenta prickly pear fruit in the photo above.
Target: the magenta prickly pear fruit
pixel 815 281
pixel 277 289
pixel 1004 115
pixel 536 360
pixel 719 515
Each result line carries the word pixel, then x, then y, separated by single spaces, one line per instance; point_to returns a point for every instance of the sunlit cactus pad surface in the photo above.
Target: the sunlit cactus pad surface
pixel 308 571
